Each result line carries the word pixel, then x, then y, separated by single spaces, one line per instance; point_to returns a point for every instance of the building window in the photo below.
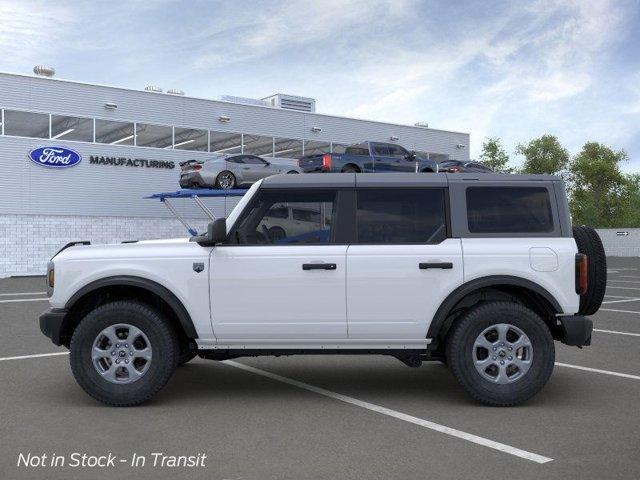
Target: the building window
pixel 157 136
pixel 391 215
pixel 224 142
pixel 190 139
pixel 26 124
pixel 509 210
pixel 114 133
pixel 287 148
pixel 72 128
pixel 312 147
pixel 258 145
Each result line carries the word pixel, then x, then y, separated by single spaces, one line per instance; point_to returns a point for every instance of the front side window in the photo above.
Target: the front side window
pixel 397 151
pixel 251 160
pixel 381 150
pixel 267 222
pixel 395 216
pixel 509 210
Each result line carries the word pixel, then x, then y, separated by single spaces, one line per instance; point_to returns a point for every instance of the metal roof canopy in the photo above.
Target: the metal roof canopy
pixel 195 194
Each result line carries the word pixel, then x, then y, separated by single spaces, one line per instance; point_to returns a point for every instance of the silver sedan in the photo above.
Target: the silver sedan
pixel 231 171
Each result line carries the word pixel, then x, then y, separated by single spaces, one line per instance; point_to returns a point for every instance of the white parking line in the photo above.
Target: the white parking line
pixel 628 276
pixel 622 288
pixel 21 293
pixel 595 370
pixel 617 333
pixel 395 414
pixel 624 281
pixel 16 300
pixel 619 311
pixel 23 357
pixel 631 299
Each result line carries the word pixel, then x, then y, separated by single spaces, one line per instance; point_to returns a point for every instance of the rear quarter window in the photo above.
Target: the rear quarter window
pixel 509 210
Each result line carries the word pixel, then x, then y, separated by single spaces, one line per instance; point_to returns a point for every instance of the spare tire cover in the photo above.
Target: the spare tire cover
pixel 589 243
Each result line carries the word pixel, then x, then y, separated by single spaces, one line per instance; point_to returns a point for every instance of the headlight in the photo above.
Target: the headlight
pixel 50 278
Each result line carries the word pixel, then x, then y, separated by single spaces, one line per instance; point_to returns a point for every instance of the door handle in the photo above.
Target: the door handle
pixel 442 265
pixel 319 266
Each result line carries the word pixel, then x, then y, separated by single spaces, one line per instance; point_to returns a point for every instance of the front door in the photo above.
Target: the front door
pixel 403 264
pixel 278 277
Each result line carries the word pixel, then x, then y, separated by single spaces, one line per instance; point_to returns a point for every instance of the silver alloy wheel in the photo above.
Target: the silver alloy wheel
pixel 121 353
pixel 502 353
pixel 226 180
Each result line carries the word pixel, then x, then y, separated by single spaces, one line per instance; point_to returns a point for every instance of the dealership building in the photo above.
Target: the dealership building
pixel 128 144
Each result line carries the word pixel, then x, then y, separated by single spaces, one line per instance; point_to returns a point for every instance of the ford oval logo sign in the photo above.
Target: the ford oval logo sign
pixel 55 157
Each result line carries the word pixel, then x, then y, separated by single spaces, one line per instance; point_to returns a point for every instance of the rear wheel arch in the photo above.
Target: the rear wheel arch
pixel 351 167
pixel 492 288
pixel 123 287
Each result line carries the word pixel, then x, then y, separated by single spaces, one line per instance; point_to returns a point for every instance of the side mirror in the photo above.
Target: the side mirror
pixel 267 164
pixel 216 233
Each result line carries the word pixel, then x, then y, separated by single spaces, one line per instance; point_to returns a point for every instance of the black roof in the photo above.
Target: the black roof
pixel 344 180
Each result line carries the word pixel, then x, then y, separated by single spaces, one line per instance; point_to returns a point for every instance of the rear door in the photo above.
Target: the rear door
pixel 382 159
pixel 403 264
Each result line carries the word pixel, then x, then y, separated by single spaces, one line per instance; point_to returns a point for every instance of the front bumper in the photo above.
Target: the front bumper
pixel 51 324
pixel 575 330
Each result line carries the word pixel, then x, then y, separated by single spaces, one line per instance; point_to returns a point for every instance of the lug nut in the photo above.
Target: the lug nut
pixel 495 358
pixel 494 349
pixel 117 345
pixel 126 360
pixel 126 345
pixel 510 348
pixel 113 352
pixel 118 361
pixel 501 362
pixel 510 358
pixel 502 344
pixel 131 353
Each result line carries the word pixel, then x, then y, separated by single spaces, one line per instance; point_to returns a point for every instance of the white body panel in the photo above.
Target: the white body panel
pixel 388 296
pixel 531 258
pixel 262 292
pixel 169 264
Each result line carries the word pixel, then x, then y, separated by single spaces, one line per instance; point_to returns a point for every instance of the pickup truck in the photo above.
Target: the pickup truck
pixel 368 157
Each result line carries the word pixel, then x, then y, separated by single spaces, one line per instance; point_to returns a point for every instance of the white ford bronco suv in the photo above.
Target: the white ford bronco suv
pixel 479 271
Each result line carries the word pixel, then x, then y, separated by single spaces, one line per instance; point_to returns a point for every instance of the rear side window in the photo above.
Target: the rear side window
pixel 401 216
pixel 357 151
pixel 509 210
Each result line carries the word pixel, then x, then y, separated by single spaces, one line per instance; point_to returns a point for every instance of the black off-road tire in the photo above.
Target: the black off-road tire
pixel 164 344
pixel 187 352
pixel 589 243
pixel 460 344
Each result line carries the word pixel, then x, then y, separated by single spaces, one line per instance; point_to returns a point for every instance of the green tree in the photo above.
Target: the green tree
pixel 494 156
pixel 543 155
pixel 600 192
pixel 632 216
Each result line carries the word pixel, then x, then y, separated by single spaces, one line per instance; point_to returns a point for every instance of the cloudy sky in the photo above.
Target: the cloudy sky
pixel 515 70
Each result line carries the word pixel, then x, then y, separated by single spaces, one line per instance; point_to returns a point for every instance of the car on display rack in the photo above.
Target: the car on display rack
pixel 463 166
pixel 479 271
pixel 231 171
pixel 368 157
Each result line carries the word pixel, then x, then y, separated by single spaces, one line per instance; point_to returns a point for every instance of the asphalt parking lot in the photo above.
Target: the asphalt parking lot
pixel 347 417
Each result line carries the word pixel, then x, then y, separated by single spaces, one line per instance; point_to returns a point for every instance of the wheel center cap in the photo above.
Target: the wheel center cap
pixel 122 353
pixel 502 354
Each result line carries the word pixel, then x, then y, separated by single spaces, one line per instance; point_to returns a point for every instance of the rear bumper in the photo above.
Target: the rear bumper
pixel 194 179
pixel 575 330
pixel 51 323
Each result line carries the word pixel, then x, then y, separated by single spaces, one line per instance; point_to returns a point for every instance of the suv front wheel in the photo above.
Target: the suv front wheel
pixel 502 353
pixel 123 353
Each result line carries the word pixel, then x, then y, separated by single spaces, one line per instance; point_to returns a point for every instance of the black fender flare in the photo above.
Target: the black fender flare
pixel 127 280
pixel 494 280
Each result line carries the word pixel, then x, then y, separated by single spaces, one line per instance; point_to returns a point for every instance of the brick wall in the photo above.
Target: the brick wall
pixel 27 242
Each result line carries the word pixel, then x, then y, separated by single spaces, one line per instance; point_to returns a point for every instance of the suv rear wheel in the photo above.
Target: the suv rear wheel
pixel 123 353
pixel 501 353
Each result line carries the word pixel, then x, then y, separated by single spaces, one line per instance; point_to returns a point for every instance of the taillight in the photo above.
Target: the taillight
pixel 582 280
pixel 326 161
pixel 197 167
pixel 455 169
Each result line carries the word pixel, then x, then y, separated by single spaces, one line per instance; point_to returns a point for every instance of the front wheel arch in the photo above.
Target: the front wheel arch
pixel 108 289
